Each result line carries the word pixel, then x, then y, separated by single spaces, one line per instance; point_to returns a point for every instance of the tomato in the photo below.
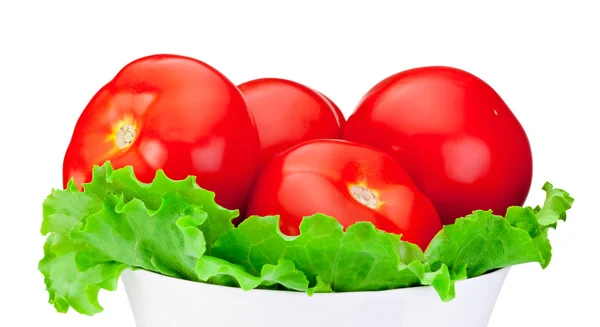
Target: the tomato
pixel 455 136
pixel 173 113
pixel 348 181
pixel 288 113
pixel 338 112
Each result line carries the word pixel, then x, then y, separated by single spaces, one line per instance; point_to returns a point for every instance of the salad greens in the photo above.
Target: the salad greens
pixel 175 228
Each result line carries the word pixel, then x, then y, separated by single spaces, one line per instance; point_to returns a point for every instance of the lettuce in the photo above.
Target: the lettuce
pixel 175 228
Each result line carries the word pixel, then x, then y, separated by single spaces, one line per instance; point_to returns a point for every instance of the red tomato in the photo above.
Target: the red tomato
pixel 348 181
pixel 288 113
pixel 453 133
pixel 338 113
pixel 174 113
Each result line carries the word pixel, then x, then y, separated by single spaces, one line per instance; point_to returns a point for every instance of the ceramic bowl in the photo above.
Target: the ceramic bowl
pixel 160 301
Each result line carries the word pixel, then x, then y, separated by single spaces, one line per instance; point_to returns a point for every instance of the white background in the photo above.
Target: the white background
pixel 542 59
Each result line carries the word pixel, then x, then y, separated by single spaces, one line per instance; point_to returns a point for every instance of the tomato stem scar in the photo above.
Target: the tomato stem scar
pixel 125 136
pixel 364 196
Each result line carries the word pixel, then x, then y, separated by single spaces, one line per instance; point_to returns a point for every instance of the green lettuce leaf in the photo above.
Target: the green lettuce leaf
pixel 482 241
pixel 284 273
pixel 118 222
pixel 176 228
pixel 166 240
pixel 123 181
pixel 360 259
pixel 67 286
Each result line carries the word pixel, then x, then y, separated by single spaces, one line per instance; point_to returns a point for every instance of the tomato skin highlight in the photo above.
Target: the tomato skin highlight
pixel 288 113
pixel 338 112
pixel 188 118
pixel 317 177
pixel 458 140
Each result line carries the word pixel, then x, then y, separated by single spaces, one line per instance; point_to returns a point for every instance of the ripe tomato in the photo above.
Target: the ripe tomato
pixel 338 113
pixel 455 136
pixel 288 113
pixel 348 181
pixel 174 113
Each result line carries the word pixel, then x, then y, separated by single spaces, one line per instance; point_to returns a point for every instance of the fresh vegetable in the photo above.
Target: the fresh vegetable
pixel 173 113
pixel 288 113
pixel 346 180
pixel 338 112
pixel 175 228
pixel 456 137
pixel 326 215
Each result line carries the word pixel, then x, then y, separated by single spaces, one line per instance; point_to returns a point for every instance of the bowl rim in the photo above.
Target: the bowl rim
pixel 488 275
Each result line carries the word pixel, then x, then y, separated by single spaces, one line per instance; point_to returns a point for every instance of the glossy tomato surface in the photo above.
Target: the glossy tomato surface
pixel 173 113
pixel 455 136
pixel 348 181
pixel 288 113
pixel 338 112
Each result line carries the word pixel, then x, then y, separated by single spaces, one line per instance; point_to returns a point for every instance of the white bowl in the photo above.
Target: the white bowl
pixel 160 301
